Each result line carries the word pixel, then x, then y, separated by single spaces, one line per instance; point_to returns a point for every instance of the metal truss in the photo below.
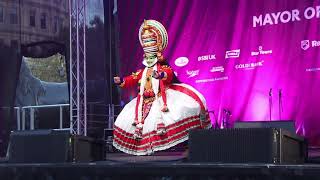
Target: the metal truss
pixel 78 89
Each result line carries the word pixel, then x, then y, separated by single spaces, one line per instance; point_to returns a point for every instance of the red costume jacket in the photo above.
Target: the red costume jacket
pixel 134 79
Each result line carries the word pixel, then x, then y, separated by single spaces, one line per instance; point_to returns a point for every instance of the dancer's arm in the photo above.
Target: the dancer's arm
pixel 128 81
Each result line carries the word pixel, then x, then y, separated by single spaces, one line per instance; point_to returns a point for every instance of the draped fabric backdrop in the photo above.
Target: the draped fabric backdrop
pixel 234 52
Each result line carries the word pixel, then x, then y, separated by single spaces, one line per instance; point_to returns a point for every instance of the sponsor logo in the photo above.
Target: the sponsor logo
pixel 207 57
pixel 315 43
pixel 233 53
pixel 181 61
pixel 249 66
pixel 192 73
pixel 306 44
pixel 313 69
pixel 212 79
pixel 261 52
pixel 217 69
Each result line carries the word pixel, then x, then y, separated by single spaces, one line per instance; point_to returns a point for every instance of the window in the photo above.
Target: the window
pixel 1 14
pixel 60 23
pixel 57 1
pixel 55 24
pixel 14 43
pixel 62 4
pixel 13 15
pixel 43 20
pixel 32 18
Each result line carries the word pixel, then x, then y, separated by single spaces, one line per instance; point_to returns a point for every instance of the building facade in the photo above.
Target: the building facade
pixel 26 21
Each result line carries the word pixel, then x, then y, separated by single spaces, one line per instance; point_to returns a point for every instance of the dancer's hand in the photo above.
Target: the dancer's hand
pixel 155 74
pixel 117 80
pixel 158 75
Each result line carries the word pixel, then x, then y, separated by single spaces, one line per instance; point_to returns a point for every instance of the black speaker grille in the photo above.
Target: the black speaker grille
pixel 39 146
pixel 232 145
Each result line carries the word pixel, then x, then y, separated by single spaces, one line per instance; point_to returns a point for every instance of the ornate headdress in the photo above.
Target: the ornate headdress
pixel 153 38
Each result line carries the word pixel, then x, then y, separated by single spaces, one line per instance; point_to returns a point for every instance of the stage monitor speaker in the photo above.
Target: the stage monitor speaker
pixel 52 146
pixel 248 145
pixel 287 125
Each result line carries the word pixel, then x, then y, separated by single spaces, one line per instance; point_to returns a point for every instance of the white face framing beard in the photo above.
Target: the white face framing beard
pixel 149 61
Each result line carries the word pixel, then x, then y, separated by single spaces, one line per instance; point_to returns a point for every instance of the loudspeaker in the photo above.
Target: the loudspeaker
pixel 248 145
pixel 287 125
pixel 52 146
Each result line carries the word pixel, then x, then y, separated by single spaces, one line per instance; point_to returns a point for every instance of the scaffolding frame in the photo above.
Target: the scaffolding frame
pixel 78 89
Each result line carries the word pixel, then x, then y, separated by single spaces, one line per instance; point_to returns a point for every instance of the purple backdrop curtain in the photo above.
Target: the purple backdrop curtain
pixel 203 30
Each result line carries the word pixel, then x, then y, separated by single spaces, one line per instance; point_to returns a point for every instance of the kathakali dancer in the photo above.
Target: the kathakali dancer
pixel 163 112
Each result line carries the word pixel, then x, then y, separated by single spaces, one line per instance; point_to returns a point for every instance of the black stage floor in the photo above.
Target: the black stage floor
pixel 160 166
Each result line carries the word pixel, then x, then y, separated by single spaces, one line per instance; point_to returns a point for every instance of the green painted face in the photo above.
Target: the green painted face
pixel 150 60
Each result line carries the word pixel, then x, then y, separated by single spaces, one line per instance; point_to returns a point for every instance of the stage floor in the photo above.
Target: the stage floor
pixel 165 166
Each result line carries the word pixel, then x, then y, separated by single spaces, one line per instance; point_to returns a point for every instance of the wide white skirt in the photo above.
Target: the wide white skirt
pixel 184 114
